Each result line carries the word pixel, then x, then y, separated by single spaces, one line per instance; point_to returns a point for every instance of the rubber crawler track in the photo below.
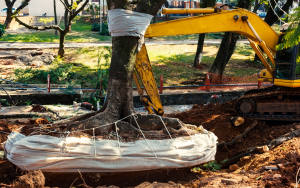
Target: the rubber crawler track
pixel 268 92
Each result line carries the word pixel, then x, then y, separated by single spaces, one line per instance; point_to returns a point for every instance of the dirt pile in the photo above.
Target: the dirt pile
pixel 170 184
pixel 38 108
pixel 217 119
pixel 277 167
pixel 6 127
pixel 33 179
pixel 33 58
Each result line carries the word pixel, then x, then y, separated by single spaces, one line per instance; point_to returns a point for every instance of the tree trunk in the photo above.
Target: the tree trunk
pixel 119 95
pixel 198 56
pixel 227 46
pixel 61 50
pixel 224 54
pixel 119 101
pixel 8 19
pixel 9 13
pixel 66 18
pixel 154 19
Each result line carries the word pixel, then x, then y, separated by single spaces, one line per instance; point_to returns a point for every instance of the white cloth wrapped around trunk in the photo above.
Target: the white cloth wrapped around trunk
pixel 53 154
pixel 123 22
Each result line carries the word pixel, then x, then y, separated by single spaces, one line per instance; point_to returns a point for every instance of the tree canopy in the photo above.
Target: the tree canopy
pixel 292 36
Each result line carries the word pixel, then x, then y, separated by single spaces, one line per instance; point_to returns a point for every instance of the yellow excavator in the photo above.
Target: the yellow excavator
pixel 278 102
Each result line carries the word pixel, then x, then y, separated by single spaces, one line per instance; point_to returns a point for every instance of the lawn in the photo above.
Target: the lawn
pixel 174 62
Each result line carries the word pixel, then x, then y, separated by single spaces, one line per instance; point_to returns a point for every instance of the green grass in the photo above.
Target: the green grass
pixel 244 49
pixel 174 62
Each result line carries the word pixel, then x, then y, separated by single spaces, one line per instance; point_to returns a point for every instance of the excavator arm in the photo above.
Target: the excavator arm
pixel 241 21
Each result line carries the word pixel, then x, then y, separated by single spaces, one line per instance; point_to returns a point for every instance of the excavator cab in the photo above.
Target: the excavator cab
pixel 287 70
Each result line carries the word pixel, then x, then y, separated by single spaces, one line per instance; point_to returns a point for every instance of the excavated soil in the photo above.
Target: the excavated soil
pixel 213 117
pixel 217 119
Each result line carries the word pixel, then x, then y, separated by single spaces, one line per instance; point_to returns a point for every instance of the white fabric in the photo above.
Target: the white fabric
pixel 128 23
pixel 52 154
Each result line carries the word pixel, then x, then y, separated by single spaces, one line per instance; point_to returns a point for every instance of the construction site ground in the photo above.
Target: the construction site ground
pixel 253 172
pixel 283 160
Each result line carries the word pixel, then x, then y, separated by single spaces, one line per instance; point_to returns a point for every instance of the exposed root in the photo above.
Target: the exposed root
pixel 239 137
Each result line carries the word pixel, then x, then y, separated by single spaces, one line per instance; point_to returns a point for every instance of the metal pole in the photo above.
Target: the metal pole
pixel 103 8
pixel 55 15
pixel 100 22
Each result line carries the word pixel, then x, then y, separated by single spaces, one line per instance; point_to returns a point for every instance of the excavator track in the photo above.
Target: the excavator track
pixel 270 103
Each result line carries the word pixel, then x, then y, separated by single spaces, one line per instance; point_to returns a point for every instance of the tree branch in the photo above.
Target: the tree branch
pixel 24 4
pixel 67 3
pixel 56 27
pixel 77 11
pixel 67 8
pixel 8 3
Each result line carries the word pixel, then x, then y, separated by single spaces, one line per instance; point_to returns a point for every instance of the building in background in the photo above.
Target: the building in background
pixel 45 7
pixel 39 7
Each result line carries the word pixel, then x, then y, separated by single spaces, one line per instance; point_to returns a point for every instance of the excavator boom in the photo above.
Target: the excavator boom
pixel 228 21
pixel 241 21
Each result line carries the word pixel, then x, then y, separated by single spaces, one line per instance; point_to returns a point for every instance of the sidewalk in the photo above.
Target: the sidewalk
pixel 44 45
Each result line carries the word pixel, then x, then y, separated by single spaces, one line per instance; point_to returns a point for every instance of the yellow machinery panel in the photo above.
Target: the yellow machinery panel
pixel 287 83
pixel 145 73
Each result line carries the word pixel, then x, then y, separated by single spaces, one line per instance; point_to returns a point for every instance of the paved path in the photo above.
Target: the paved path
pixel 35 45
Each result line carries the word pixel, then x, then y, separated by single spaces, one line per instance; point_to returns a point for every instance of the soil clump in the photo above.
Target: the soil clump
pixel 33 179
pixel 38 108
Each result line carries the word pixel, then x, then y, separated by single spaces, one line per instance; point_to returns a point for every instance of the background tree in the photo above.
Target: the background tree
pixel 229 40
pixel 271 17
pixel 198 56
pixel 9 13
pixel 119 102
pixel 292 36
pixel 94 11
pixel 2 30
pixel 167 6
pixel 227 45
pixel 71 9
